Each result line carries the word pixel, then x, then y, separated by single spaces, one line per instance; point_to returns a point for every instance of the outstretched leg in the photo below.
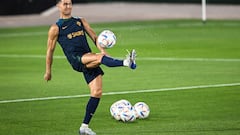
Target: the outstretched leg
pixel 92 60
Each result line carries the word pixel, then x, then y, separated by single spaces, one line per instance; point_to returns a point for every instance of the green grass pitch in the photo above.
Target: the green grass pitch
pixel 171 54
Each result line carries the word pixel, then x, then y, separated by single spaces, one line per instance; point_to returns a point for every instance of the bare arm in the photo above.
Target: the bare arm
pixel 51 44
pixel 92 35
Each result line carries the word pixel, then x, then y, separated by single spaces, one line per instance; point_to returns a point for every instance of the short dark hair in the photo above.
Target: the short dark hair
pixel 57 1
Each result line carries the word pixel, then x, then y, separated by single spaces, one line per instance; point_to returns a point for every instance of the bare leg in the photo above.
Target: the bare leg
pixel 96 87
pixel 92 60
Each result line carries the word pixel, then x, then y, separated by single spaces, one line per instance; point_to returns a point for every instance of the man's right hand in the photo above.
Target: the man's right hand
pixel 47 76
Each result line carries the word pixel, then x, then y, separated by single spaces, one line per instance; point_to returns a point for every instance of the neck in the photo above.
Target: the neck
pixel 65 16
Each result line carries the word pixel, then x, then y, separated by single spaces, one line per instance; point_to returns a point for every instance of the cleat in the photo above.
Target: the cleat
pixel 133 55
pixel 130 59
pixel 86 131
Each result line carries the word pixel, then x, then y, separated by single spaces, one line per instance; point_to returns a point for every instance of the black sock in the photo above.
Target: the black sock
pixel 90 109
pixel 110 62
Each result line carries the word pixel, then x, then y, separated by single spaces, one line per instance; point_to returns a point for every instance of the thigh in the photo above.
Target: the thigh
pixel 96 87
pixel 91 60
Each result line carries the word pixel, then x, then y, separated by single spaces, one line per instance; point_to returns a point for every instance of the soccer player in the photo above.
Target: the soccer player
pixel 70 33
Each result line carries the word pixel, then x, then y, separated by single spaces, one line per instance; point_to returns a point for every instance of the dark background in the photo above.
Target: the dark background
pixel 15 7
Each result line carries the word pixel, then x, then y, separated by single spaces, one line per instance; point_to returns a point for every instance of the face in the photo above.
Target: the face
pixel 65 7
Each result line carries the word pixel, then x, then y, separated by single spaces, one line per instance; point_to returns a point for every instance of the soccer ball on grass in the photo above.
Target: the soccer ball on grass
pixel 123 110
pixel 142 110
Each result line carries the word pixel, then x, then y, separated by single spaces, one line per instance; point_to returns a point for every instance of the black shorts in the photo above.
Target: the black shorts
pixel 92 73
pixel 89 73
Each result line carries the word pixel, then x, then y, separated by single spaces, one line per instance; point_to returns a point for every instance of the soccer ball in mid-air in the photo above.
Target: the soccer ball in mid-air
pixel 142 110
pixel 106 39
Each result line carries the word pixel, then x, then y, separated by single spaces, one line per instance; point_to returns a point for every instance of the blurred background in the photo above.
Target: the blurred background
pixel 16 7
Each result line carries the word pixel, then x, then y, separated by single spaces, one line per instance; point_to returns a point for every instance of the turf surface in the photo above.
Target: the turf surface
pixel 171 54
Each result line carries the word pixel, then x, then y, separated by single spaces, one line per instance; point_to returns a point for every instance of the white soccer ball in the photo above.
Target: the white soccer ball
pixel 106 39
pixel 128 114
pixel 115 111
pixel 142 110
pixel 123 110
pixel 124 102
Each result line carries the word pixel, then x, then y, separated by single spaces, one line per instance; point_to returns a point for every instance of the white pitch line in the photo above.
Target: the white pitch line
pixel 139 58
pixel 23 34
pixel 120 93
pixel 28 56
pixel 190 59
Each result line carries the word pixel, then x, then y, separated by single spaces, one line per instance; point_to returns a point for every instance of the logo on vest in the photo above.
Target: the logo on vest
pixel 64 27
pixel 75 34
pixel 78 23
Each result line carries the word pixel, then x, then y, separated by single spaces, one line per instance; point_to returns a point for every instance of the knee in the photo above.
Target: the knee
pixel 99 58
pixel 96 93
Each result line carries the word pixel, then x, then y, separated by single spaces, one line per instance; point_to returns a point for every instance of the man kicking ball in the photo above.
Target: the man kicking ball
pixel 70 33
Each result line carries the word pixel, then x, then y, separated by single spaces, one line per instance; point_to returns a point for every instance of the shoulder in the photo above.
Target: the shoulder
pixel 84 22
pixel 60 22
pixel 77 18
pixel 53 30
pixel 82 19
